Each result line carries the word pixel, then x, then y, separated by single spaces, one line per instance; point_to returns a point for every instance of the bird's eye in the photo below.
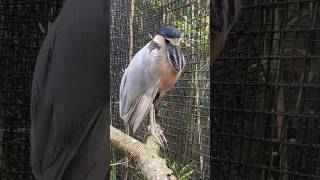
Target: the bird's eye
pixel 167 41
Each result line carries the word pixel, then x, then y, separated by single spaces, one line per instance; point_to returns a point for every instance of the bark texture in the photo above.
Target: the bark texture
pixel 145 156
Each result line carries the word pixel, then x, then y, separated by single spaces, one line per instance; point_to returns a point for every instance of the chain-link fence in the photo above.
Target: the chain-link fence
pixel 265 86
pixel 23 27
pixel 184 112
pixel 265 122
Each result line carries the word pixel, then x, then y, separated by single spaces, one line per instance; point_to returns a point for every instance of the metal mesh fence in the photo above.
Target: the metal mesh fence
pixel 266 94
pixel 184 112
pixel 118 61
pixel 265 87
pixel 23 26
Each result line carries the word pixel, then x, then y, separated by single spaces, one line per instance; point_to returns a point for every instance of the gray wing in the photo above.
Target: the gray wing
pixel 138 87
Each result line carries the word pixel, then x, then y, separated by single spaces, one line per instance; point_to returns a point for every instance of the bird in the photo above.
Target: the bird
pixel 69 109
pixel 224 15
pixel 153 70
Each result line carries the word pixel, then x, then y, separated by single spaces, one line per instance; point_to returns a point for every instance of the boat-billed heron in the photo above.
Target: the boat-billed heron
pixel 69 125
pixel 224 13
pixel 150 74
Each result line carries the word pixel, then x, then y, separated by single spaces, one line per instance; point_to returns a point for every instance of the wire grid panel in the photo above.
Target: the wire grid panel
pixel 118 61
pixel 266 94
pixel 23 26
pixel 184 112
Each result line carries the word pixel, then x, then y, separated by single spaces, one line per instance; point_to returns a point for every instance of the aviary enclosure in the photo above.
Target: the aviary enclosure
pixel 265 120
pixel 184 113
pixel 264 88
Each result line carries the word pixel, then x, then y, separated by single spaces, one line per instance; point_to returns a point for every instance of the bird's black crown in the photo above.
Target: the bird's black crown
pixel 169 32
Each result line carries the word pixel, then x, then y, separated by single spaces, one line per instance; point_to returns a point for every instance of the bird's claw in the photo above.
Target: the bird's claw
pixel 156 131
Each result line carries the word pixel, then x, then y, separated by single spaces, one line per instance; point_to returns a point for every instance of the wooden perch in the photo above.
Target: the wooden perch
pixel 145 156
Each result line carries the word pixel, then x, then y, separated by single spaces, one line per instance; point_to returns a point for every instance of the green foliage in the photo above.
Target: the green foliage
pixel 113 172
pixel 192 18
pixel 118 166
pixel 133 171
pixel 183 170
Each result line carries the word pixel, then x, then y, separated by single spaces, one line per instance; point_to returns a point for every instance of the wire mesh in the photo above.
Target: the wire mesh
pixel 266 94
pixel 265 86
pixel 119 31
pixel 184 112
pixel 23 26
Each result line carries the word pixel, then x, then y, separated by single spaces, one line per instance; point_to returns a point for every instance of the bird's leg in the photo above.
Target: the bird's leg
pixel 155 129
pixel 152 127
pixel 159 128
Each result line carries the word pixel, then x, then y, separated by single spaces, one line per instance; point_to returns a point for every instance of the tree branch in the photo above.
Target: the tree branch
pixel 145 156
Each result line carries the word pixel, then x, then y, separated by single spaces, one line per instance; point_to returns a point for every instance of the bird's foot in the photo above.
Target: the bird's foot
pixel 156 131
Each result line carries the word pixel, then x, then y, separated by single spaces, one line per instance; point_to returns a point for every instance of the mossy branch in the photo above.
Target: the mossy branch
pixel 145 156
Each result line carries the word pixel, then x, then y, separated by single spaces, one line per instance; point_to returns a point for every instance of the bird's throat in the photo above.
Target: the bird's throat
pixel 174 57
